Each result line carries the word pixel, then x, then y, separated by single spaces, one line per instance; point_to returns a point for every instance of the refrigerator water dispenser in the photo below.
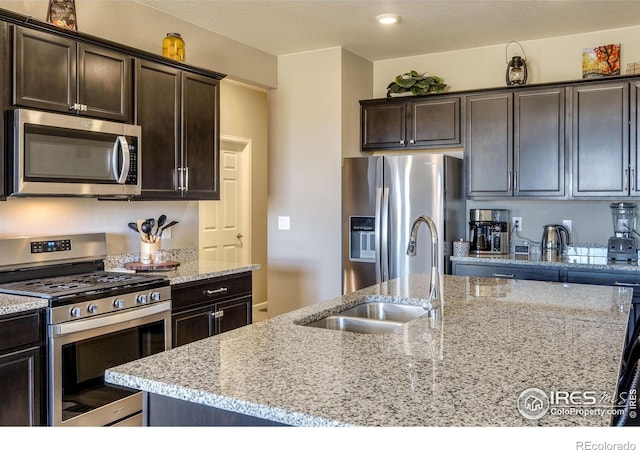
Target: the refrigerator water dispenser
pixel 362 239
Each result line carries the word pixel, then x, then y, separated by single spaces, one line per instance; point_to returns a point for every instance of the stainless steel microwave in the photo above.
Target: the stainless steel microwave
pixel 64 155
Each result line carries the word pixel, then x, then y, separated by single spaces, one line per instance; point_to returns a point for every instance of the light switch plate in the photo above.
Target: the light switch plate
pixel 284 223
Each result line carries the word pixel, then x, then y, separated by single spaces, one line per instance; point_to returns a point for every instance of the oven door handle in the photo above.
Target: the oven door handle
pixel 111 319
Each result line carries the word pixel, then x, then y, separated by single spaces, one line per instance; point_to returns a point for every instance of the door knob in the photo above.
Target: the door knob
pixel 239 235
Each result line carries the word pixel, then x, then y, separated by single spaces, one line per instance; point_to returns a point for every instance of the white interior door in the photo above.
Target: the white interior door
pixel 224 228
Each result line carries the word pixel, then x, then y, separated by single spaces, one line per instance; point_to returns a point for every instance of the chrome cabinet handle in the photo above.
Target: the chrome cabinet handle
pixel 626 179
pixel 218 314
pixel 621 283
pixel 180 179
pixel 222 290
pixel 78 107
pixel 183 178
pixel 504 275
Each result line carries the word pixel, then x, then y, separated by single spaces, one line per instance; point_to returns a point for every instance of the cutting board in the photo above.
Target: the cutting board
pixel 151 267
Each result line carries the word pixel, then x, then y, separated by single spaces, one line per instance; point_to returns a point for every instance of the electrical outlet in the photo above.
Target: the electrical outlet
pixel 166 233
pixel 567 224
pixel 516 224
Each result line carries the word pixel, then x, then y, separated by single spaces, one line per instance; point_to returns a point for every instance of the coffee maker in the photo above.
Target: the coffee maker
pixel 489 231
pixel 622 245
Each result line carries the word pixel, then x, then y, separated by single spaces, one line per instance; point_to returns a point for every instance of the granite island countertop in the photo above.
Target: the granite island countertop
pixel 466 368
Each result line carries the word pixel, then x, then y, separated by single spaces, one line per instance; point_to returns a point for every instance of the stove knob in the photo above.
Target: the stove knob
pixel 142 298
pixel 92 309
pixel 118 303
pixel 155 296
pixel 75 312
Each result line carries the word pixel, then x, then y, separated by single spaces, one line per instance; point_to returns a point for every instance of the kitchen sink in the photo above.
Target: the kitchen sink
pixel 372 318
pixel 356 324
pixel 386 311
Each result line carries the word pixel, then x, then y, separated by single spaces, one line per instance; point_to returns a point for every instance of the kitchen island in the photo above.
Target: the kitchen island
pixel 465 366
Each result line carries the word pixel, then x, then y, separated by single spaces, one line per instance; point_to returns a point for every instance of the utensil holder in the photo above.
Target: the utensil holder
pixel 147 250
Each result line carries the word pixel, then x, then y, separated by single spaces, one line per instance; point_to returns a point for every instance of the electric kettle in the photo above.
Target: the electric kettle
pixel 553 241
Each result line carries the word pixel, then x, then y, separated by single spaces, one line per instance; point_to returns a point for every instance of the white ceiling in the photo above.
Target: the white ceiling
pixel 282 27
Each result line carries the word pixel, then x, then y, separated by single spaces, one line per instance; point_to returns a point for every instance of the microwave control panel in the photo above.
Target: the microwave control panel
pixel 132 177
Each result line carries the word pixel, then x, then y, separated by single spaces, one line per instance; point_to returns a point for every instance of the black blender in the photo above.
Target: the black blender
pixel 622 246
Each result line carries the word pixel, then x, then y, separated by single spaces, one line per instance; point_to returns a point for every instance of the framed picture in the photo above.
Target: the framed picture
pixel 62 13
pixel 603 61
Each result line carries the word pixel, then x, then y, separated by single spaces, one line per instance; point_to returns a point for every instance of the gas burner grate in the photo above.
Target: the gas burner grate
pixel 56 287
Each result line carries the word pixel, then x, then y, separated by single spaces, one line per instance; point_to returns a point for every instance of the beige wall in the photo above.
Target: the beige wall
pixel 548 60
pixel 244 114
pixel 304 181
pixel 357 83
pixel 314 122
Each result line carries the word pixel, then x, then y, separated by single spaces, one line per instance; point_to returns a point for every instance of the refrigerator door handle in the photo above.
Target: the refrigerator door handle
pixel 377 234
pixel 384 234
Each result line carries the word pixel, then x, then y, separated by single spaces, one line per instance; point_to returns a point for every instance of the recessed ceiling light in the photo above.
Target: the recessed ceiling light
pixel 387 19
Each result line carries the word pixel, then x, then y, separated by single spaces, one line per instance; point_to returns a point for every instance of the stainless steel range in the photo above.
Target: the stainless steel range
pixel 95 320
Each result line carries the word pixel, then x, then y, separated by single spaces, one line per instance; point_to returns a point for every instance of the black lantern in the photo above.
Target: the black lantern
pixel 516 67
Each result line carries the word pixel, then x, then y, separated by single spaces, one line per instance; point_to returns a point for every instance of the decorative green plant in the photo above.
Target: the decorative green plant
pixel 417 84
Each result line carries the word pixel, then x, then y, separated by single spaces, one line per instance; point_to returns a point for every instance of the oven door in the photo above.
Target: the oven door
pixel 80 352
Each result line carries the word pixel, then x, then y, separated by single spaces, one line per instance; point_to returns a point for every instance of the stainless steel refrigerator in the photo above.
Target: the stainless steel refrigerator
pixel 381 197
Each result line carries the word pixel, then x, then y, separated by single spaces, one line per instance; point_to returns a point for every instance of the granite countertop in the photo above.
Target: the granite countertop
pixel 494 339
pixel 190 269
pixel 11 304
pixel 202 269
pixel 566 261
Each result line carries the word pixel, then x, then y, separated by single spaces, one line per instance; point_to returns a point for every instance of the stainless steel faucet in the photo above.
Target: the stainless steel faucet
pixel 434 289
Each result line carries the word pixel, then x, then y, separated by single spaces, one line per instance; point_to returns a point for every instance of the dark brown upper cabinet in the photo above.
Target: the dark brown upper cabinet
pixel 390 124
pixel 488 150
pixel 515 145
pixel 56 73
pixel 539 142
pixel 179 115
pixel 600 141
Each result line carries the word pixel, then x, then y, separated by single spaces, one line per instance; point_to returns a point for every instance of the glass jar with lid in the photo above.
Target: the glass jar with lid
pixel 173 47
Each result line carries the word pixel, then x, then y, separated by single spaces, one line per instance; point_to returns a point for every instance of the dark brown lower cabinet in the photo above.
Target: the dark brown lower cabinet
pixel 208 307
pixel 161 411
pixel 21 370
